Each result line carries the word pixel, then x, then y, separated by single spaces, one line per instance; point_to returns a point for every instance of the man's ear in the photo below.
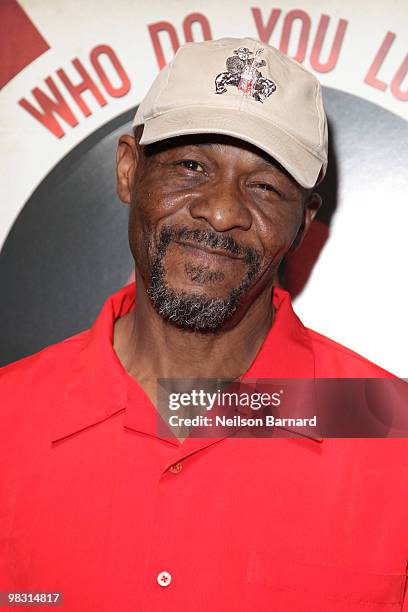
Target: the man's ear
pixel 127 157
pixel 312 205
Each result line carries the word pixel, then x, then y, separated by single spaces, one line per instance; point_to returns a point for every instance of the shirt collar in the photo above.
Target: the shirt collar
pixel 98 385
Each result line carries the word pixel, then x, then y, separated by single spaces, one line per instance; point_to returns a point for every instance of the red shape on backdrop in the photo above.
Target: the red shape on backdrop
pixel 371 76
pixel 20 44
pixel 154 30
pixel 300 263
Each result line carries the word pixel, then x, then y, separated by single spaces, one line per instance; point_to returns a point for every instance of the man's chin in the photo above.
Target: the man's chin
pixel 193 310
pixel 201 290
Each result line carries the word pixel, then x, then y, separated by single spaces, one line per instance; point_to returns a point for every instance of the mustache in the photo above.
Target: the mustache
pixel 208 238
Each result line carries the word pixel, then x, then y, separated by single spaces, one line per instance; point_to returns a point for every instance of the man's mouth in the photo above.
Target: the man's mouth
pixel 194 246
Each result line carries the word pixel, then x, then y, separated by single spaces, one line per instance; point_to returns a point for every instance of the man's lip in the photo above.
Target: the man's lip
pixel 201 247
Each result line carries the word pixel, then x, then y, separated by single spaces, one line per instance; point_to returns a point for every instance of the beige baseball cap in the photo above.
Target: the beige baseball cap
pixel 245 89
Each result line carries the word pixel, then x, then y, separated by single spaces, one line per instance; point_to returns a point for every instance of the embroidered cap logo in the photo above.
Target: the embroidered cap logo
pixel 243 73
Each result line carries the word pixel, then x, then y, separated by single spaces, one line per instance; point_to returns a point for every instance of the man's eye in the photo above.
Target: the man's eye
pixel 190 164
pixel 266 187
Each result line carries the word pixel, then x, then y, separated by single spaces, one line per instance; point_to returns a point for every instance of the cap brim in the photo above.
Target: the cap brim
pixel 301 163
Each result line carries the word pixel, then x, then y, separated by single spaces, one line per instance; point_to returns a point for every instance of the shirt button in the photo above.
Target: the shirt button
pixel 176 468
pixel 164 579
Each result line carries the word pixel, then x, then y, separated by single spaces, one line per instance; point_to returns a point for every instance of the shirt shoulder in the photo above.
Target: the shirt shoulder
pixel 335 359
pixel 31 394
pixel 39 373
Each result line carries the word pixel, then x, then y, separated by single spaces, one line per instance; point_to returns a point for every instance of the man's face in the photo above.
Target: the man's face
pixel 210 221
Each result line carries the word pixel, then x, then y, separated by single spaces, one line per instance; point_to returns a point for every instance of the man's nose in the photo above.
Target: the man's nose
pixel 223 207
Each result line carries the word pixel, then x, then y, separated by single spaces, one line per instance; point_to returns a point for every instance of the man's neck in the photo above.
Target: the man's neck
pixel 150 347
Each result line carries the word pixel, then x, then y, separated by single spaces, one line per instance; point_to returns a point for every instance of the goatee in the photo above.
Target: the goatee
pixel 192 311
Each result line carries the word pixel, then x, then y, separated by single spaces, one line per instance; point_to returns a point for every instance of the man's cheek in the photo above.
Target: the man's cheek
pixel 159 199
pixel 141 246
pixel 274 253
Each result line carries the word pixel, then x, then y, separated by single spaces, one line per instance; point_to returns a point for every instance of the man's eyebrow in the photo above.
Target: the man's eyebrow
pixel 262 155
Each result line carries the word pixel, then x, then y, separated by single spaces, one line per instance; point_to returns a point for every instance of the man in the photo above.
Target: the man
pixel 100 503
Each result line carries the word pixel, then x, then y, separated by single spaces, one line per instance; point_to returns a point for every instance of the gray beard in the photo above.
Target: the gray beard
pixel 191 311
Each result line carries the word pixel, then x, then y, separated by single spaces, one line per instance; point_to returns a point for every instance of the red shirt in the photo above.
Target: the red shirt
pixel 95 505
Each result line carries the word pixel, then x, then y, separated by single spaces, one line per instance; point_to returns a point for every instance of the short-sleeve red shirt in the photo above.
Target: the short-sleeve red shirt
pixel 95 505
